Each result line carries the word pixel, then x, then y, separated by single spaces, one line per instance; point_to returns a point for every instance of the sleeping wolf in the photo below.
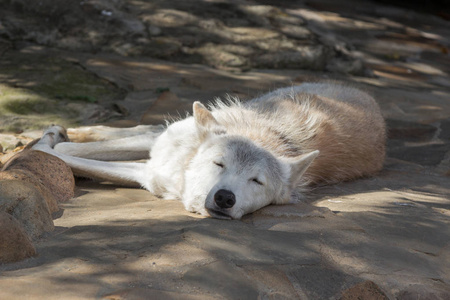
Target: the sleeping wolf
pixel 234 158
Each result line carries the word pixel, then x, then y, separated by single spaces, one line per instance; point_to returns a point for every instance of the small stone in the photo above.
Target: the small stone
pixel 15 245
pixel 297 32
pixel 121 109
pixel 10 141
pixel 366 290
pixel 218 56
pixel 167 101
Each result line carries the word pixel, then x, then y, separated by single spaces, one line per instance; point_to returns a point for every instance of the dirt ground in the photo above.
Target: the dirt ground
pixel 124 63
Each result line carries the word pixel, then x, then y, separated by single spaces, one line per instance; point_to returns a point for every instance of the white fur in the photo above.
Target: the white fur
pixel 257 153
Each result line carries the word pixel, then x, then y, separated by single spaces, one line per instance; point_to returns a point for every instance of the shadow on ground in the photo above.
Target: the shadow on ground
pixel 127 63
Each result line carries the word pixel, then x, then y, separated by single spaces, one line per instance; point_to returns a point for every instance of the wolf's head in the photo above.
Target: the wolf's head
pixel 230 176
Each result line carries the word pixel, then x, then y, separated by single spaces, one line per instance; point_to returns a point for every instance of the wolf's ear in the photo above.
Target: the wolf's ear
pixel 205 120
pixel 299 165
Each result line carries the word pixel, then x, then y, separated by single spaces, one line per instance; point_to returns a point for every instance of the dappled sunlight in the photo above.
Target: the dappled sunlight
pixel 140 61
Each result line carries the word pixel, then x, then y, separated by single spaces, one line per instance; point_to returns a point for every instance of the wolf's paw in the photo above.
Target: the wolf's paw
pixel 53 135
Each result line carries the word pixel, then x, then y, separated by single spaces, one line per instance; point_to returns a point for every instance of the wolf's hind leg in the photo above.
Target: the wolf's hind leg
pixel 128 148
pixel 127 174
pixel 102 133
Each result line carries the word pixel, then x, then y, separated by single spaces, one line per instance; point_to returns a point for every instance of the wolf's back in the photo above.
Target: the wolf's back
pixel 344 123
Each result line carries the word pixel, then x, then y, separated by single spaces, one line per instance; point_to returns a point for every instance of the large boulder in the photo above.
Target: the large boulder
pixel 24 202
pixel 51 176
pixel 15 245
pixel 32 183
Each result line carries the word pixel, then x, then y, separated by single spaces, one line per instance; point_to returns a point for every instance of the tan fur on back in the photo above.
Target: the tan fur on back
pixel 345 124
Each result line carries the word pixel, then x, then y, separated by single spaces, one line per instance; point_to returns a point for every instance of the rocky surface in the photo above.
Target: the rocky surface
pixel 385 237
pixel 26 204
pixel 231 35
pixel 15 245
pixel 32 184
pixel 50 175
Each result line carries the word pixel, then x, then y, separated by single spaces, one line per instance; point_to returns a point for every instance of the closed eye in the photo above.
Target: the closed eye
pixel 219 164
pixel 255 180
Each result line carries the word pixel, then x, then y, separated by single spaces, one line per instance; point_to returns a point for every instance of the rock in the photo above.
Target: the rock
pixel 121 109
pixel 365 290
pixel 272 282
pixel 26 176
pixel 297 32
pixel 319 282
pixel 15 245
pixel 416 292
pixel 163 47
pixel 445 130
pixel 218 56
pixel 32 134
pixel 181 32
pixel 167 101
pixel 170 18
pixel 93 113
pixel 48 173
pixel 249 34
pixel 11 141
pixel 250 246
pixel 6 157
pixel 144 293
pixel 304 57
pixel 346 66
pixel 427 155
pixel 154 30
pixel 409 131
pixel 24 202
pixel 210 278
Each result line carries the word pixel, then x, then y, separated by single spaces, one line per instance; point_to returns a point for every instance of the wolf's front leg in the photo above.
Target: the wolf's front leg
pixel 128 174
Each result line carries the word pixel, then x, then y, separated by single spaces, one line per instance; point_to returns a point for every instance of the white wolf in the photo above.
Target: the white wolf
pixel 234 158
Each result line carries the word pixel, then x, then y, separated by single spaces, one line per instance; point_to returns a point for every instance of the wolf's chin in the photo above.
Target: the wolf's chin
pixel 218 214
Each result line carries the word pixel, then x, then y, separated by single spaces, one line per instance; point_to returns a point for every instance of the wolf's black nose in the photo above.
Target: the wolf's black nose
pixel 224 199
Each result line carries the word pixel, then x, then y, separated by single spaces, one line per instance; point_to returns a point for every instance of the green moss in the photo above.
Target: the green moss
pixel 22 109
pixel 57 78
pixel 18 101
pixel 37 90
pixel 74 83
